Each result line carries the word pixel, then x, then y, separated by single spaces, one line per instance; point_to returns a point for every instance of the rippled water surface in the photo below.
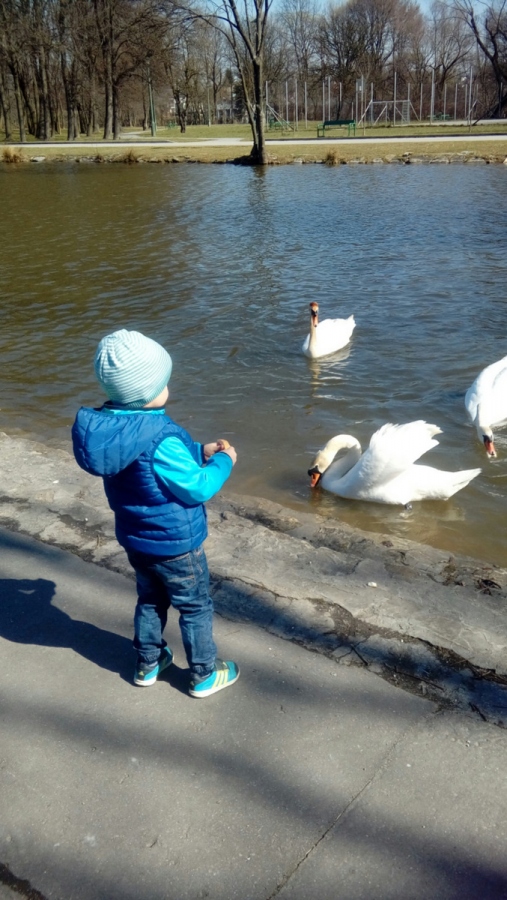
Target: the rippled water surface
pixel 219 263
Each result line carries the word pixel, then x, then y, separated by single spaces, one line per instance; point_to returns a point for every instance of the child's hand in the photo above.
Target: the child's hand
pixel 211 449
pixel 220 446
pixel 225 447
pixel 232 453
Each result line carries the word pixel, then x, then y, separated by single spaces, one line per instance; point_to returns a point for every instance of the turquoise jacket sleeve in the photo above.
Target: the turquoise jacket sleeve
pixel 189 482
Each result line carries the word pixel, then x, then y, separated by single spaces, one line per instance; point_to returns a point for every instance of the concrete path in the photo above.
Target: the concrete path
pixel 308 778
pixel 304 138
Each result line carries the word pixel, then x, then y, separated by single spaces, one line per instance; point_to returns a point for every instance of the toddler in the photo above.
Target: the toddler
pixel 156 480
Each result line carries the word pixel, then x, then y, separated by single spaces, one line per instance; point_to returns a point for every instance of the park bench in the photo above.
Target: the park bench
pixel 336 123
pixel 442 117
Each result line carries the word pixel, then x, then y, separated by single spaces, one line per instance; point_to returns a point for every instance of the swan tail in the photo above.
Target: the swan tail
pixel 433 484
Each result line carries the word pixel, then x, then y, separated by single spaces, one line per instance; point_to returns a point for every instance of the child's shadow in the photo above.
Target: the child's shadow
pixel 27 616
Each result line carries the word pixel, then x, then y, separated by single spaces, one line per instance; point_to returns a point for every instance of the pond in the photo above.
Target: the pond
pixel 219 264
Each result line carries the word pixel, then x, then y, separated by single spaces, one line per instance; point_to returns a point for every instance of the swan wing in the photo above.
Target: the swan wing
pixel 392 450
pixel 332 335
pixel 486 398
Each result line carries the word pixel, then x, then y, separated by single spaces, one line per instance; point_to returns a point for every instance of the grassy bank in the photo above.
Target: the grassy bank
pixel 243 132
pixel 309 149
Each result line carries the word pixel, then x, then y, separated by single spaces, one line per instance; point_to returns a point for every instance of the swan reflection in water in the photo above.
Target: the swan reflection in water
pixel 327 371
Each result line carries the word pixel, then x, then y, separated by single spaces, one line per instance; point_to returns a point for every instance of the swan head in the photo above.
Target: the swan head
pixel 487 439
pixel 326 456
pixel 314 313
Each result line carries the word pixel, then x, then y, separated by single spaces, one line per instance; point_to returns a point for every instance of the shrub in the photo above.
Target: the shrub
pixel 331 158
pixel 10 155
pixel 130 157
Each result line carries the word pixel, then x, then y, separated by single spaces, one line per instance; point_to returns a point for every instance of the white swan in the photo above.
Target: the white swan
pixel 486 402
pixel 385 472
pixel 328 336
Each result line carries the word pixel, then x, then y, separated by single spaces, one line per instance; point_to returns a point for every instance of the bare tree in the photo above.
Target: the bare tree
pixel 300 20
pixel 244 27
pixel 451 41
pixel 490 32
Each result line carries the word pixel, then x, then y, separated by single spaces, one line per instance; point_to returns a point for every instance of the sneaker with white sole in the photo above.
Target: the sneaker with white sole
pixel 223 675
pixel 146 675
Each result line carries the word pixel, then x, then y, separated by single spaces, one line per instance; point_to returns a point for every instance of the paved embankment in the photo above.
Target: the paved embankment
pixel 306 779
pixel 311 777
pixel 412 614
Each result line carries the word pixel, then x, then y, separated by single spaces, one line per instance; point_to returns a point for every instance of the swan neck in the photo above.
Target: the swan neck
pixel 314 321
pixel 342 465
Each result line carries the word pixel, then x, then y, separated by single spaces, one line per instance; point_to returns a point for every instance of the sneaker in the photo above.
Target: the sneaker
pixel 146 675
pixel 224 674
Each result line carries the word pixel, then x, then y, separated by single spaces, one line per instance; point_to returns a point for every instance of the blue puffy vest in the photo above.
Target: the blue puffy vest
pixel 148 517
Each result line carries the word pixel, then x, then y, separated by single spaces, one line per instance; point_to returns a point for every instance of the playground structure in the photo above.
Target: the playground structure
pixel 275 122
pixel 387 112
pixel 287 107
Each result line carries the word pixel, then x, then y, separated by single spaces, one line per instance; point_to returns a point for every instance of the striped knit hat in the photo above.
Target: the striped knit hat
pixel 131 368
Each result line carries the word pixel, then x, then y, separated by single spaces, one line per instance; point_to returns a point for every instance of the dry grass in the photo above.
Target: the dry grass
pixel 331 158
pixel 129 158
pixel 493 150
pixel 11 155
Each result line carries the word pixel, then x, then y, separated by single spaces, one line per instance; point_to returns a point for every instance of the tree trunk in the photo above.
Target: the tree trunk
pixel 181 111
pixel 108 85
pixel 19 106
pixel 44 119
pixel 116 112
pixel 4 109
pixel 259 154
pixel 68 85
pixel 29 110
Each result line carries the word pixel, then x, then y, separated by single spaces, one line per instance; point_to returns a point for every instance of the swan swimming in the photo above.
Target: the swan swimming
pixel 486 402
pixel 328 336
pixel 386 473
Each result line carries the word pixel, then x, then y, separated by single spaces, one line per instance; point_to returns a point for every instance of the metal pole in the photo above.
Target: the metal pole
pixel 286 101
pixel 420 103
pixel 306 107
pixel 209 110
pixel 267 104
pixel 296 103
pixel 455 100
pixel 470 96
pixel 323 99
pixel 371 104
pixel 394 100
pixel 445 98
pixel 329 96
pixel 432 101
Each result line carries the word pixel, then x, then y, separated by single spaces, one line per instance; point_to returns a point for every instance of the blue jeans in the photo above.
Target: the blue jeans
pixel 181 582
